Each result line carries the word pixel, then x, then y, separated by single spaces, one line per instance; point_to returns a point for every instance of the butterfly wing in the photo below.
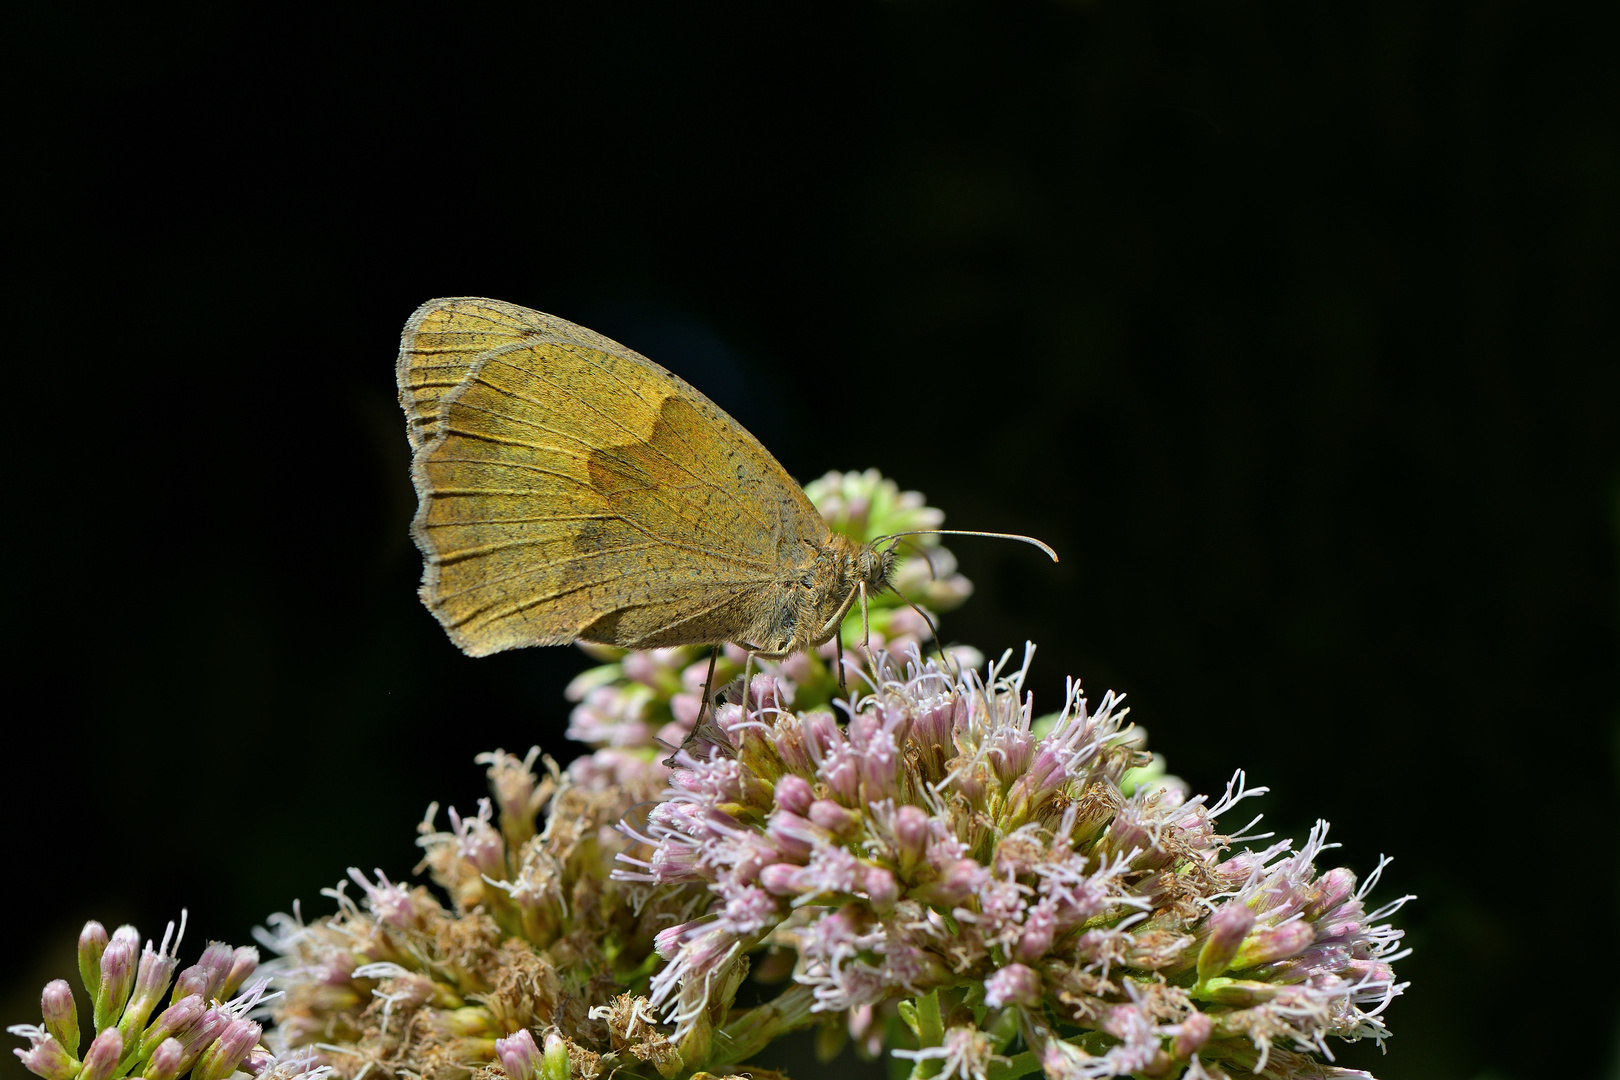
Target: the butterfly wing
pixel 443 338
pixel 570 488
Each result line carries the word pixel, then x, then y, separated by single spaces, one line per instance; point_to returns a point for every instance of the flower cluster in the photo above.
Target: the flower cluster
pixel 918 862
pixel 205 1030
pixel 1008 880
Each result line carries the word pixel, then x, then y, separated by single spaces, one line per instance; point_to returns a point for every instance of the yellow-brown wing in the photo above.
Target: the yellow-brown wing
pixel 571 488
pixel 443 338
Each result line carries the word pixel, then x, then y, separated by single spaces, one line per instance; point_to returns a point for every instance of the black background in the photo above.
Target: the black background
pixel 1291 327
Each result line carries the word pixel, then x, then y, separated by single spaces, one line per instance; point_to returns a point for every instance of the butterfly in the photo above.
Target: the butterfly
pixel 570 489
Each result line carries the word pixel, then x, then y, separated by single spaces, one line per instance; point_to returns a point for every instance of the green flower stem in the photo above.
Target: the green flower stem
pixel 751 1030
pixel 930 1032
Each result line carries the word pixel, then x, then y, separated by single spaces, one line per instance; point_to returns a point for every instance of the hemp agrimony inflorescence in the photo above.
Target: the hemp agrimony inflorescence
pixel 927 868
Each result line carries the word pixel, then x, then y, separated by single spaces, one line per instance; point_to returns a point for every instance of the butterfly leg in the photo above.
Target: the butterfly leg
pixel 866 629
pixel 748 679
pixel 708 684
pixel 838 660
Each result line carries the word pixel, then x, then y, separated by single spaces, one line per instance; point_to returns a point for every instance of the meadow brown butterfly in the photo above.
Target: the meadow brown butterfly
pixel 570 489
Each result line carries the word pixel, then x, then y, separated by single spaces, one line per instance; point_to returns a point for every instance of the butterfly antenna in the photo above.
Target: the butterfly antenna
pixel 972 532
pixel 922 552
pixel 933 628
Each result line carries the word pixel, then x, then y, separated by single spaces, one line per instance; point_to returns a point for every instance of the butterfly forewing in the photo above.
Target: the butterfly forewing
pixel 573 489
pixel 444 337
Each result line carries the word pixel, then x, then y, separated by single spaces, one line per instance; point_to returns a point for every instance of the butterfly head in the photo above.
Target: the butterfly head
pixel 874 567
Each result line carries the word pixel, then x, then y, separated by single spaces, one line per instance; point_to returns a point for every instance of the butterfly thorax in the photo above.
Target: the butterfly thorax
pixel 825 587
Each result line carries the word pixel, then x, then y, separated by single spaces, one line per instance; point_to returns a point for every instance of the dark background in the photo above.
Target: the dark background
pixel 1291 327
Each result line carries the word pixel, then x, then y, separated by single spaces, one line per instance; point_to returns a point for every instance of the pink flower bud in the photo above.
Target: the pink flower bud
pixel 1195 1031
pixel 216 961
pixel 102 1058
pixel 201 1035
pixel 1275 943
pixel 92 943
pixel 192 981
pixel 1040 928
pixel 959 881
pixel 167 1061
pixel 794 794
pixel 821 733
pixel 1010 754
pixel 793 835
pixel 931 734
pixel 245 961
pixel 47 1058
pixel 911 837
pixel 881 888
pixel 1333 889
pixel 177 1020
pixel 1227 929
pixel 781 879
pixel 974 784
pixel 117 976
pixel 834 818
pixel 151 980
pixel 1014 984
pixel 520 1057
pixel 61 1015
pixel 258 1059
pixel 221 1059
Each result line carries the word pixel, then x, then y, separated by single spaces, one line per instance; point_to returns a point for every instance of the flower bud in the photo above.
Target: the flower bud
pixel 177 1020
pixel 794 794
pixel 519 1056
pixel 102 1058
pixel 1010 755
pixel 1241 993
pixel 1227 929
pixel 555 1065
pixel 92 943
pixel 117 976
pixel 834 818
pixel 881 888
pixel 1368 971
pixel 793 835
pixel 959 880
pixel 221 1059
pixel 192 982
pixel 1195 1031
pixel 931 734
pixel 216 960
pixel 61 1015
pixel 821 733
pixel 973 783
pixel 911 837
pixel 199 1036
pixel 782 879
pixel 244 962
pixel 1014 984
pixel 840 771
pixel 1333 889
pixel 258 1059
pixel 46 1057
pixel 1040 928
pixel 166 1061
pixel 151 979
pixel 1274 943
